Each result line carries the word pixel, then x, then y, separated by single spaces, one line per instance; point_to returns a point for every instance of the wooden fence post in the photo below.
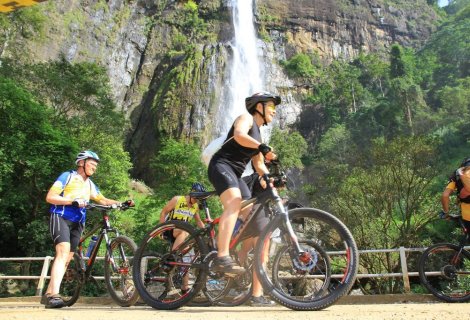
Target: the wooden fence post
pixel 404 270
pixel 42 279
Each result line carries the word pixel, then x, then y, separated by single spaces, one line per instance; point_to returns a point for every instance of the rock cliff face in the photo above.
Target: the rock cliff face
pixel 168 64
pixel 343 28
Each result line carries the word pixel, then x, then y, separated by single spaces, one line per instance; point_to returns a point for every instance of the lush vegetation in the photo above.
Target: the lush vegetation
pixel 383 136
pixel 374 144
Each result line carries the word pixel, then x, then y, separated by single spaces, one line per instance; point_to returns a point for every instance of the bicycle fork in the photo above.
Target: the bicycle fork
pixel 299 253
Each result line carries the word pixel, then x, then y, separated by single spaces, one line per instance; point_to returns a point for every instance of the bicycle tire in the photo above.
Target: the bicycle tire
pixel 445 273
pixel 72 281
pixel 159 279
pixel 326 231
pixel 120 284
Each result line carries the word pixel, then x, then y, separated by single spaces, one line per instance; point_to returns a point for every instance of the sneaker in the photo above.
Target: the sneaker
pixel 260 302
pixel 54 301
pixel 227 265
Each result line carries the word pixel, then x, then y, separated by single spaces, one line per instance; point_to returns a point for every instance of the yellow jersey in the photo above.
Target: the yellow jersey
pixel 464 207
pixel 182 211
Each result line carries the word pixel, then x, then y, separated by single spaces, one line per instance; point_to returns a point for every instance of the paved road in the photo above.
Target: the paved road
pixel 396 309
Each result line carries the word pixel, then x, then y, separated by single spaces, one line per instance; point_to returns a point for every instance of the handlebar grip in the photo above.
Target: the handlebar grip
pixel 265 177
pixel 75 204
pixel 127 204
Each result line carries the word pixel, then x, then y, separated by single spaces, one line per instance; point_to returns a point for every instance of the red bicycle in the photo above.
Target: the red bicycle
pixel 313 258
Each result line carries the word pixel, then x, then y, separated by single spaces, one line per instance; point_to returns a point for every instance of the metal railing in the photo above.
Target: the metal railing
pixel 44 271
pixel 404 274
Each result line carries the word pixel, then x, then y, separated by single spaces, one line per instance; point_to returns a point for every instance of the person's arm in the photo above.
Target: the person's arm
pixel 54 197
pixel 167 208
pixel 259 165
pixel 199 222
pixel 106 202
pixel 445 199
pixel 242 126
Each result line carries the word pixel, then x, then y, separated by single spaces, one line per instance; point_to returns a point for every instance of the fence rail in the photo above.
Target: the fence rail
pixel 404 274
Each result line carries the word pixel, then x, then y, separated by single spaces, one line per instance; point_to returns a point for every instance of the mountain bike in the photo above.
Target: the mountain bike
pixel 444 268
pixel 117 264
pixel 313 258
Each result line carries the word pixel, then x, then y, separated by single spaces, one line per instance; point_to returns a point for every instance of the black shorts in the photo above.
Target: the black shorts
pixel 223 177
pixel 63 230
pixel 257 224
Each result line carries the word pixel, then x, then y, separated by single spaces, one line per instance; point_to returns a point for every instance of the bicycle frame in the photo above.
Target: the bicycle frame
pixel 269 196
pixel 105 227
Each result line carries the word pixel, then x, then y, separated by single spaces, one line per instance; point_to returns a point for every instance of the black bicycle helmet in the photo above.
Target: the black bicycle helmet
pixel 198 187
pixel 262 97
pixel 465 163
pixel 251 102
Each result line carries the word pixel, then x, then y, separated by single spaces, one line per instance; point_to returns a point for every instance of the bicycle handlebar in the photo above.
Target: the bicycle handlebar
pixel 121 206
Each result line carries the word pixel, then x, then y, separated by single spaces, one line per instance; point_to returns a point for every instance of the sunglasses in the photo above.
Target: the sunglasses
pixel 271 106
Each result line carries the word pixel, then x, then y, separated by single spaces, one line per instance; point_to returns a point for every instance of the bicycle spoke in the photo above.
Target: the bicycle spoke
pixel 445 271
pixel 168 277
pixel 118 271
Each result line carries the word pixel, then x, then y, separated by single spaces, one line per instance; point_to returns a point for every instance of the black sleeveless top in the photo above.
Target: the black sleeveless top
pixel 236 155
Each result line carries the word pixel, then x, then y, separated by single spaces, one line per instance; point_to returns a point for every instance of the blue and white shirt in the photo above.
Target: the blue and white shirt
pixel 71 185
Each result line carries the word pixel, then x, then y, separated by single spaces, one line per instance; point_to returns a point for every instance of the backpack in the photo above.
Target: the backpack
pixel 213 147
pixel 67 181
pixel 455 177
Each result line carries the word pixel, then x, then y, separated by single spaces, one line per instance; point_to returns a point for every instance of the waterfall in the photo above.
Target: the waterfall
pixel 245 70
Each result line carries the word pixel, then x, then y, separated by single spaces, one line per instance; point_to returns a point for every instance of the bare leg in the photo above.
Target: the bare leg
pixel 231 200
pixel 61 260
pixel 180 236
pixel 257 288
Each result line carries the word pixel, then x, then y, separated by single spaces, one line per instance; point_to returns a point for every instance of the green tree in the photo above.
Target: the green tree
pixel 388 203
pixel 289 146
pixel 33 150
pixel 300 66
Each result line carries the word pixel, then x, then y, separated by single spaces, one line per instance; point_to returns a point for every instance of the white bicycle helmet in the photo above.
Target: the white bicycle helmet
pixel 87 154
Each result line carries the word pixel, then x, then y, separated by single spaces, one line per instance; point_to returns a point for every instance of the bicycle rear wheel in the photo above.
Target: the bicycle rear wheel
pixel 444 269
pixel 72 282
pixel 160 273
pixel 118 271
pixel 314 283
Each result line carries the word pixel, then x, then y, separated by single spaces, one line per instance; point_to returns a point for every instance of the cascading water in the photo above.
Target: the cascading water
pixel 245 71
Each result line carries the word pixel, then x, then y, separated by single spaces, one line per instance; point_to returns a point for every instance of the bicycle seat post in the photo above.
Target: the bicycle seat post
pixel 206 210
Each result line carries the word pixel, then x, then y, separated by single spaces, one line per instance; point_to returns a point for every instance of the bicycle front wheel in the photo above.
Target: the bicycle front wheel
pixel 444 269
pixel 118 271
pixel 324 273
pixel 72 282
pixel 168 278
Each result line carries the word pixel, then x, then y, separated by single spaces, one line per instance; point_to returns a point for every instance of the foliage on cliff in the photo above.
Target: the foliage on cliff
pixel 383 136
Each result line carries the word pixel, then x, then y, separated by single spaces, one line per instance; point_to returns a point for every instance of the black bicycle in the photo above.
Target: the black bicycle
pixel 117 265
pixel 312 262
pixel 444 268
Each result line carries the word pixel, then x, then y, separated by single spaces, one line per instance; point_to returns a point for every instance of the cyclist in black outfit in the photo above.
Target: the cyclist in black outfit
pixel 243 144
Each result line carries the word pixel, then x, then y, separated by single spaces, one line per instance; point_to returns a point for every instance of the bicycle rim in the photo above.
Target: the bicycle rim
pixel 320 281
pixel 315 278
pixel 72 282
pixel 118 271
pixel 445 272
pixel 160 273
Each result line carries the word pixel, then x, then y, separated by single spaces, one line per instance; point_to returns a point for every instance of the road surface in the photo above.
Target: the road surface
pixel 364 309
